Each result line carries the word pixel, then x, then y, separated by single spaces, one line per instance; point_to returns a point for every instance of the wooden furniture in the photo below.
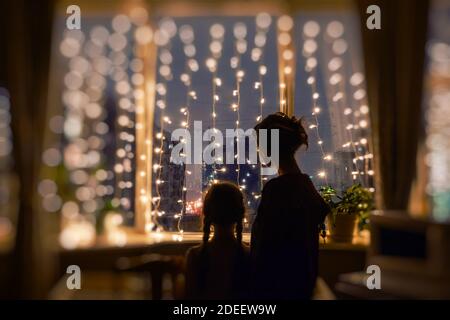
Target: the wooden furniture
pixel 413 256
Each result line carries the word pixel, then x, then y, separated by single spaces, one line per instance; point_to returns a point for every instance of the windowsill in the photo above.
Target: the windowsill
pixel 139 240
pixel 103 255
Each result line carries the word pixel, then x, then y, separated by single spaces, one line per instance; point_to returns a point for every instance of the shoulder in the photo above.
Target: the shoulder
pixel 272 185
pixel 279 183
pixel 307 179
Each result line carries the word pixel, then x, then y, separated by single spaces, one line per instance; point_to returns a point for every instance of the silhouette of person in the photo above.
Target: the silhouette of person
pixel 285 233
pixel 220 268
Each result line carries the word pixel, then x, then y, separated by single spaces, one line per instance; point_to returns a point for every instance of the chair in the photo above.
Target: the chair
pixel 166 273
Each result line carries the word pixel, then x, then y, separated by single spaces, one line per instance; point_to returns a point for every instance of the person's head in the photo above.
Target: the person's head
pixel 223 207
pixel 292 134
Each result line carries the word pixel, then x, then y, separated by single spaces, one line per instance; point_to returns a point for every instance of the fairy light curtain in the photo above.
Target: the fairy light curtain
pixel 131 79
pixel 331 95
pixel 89 158
pixel 329 89
pixel 223 83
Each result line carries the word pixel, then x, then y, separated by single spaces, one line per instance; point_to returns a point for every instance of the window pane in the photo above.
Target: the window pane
pixel 437 103
pixel 211 72
pixel 331 96
pixel 192 89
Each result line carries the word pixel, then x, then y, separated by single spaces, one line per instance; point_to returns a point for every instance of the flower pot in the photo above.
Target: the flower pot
pixel 342 227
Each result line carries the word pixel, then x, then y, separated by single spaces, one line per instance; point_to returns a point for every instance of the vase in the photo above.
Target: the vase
pixel 342 227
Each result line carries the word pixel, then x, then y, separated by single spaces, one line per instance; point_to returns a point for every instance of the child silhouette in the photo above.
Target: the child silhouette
pixel 285 234
pixel 220 268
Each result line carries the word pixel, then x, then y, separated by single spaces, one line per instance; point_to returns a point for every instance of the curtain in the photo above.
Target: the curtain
pixel 27 41
pixel 394 63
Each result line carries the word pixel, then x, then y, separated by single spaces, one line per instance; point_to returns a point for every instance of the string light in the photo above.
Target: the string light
pixel 167 30
pixel 335 31
pixel 240 32
pixel 128 91
pixel 85 130
pixel 263 21
pixel 217 34
pixel 187 36
pixel 311 29
pixel 286 66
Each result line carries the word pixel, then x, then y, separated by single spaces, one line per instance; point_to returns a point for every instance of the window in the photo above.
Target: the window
pixel 437 113
pixel 122 86
pixel 9 182
pixel 331 96
pixel 197 81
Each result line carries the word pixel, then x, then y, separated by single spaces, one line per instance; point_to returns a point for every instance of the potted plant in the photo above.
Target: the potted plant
pixel 348 210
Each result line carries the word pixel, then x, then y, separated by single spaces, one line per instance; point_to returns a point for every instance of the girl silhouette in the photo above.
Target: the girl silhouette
pixel 220 268
pixel 285 241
